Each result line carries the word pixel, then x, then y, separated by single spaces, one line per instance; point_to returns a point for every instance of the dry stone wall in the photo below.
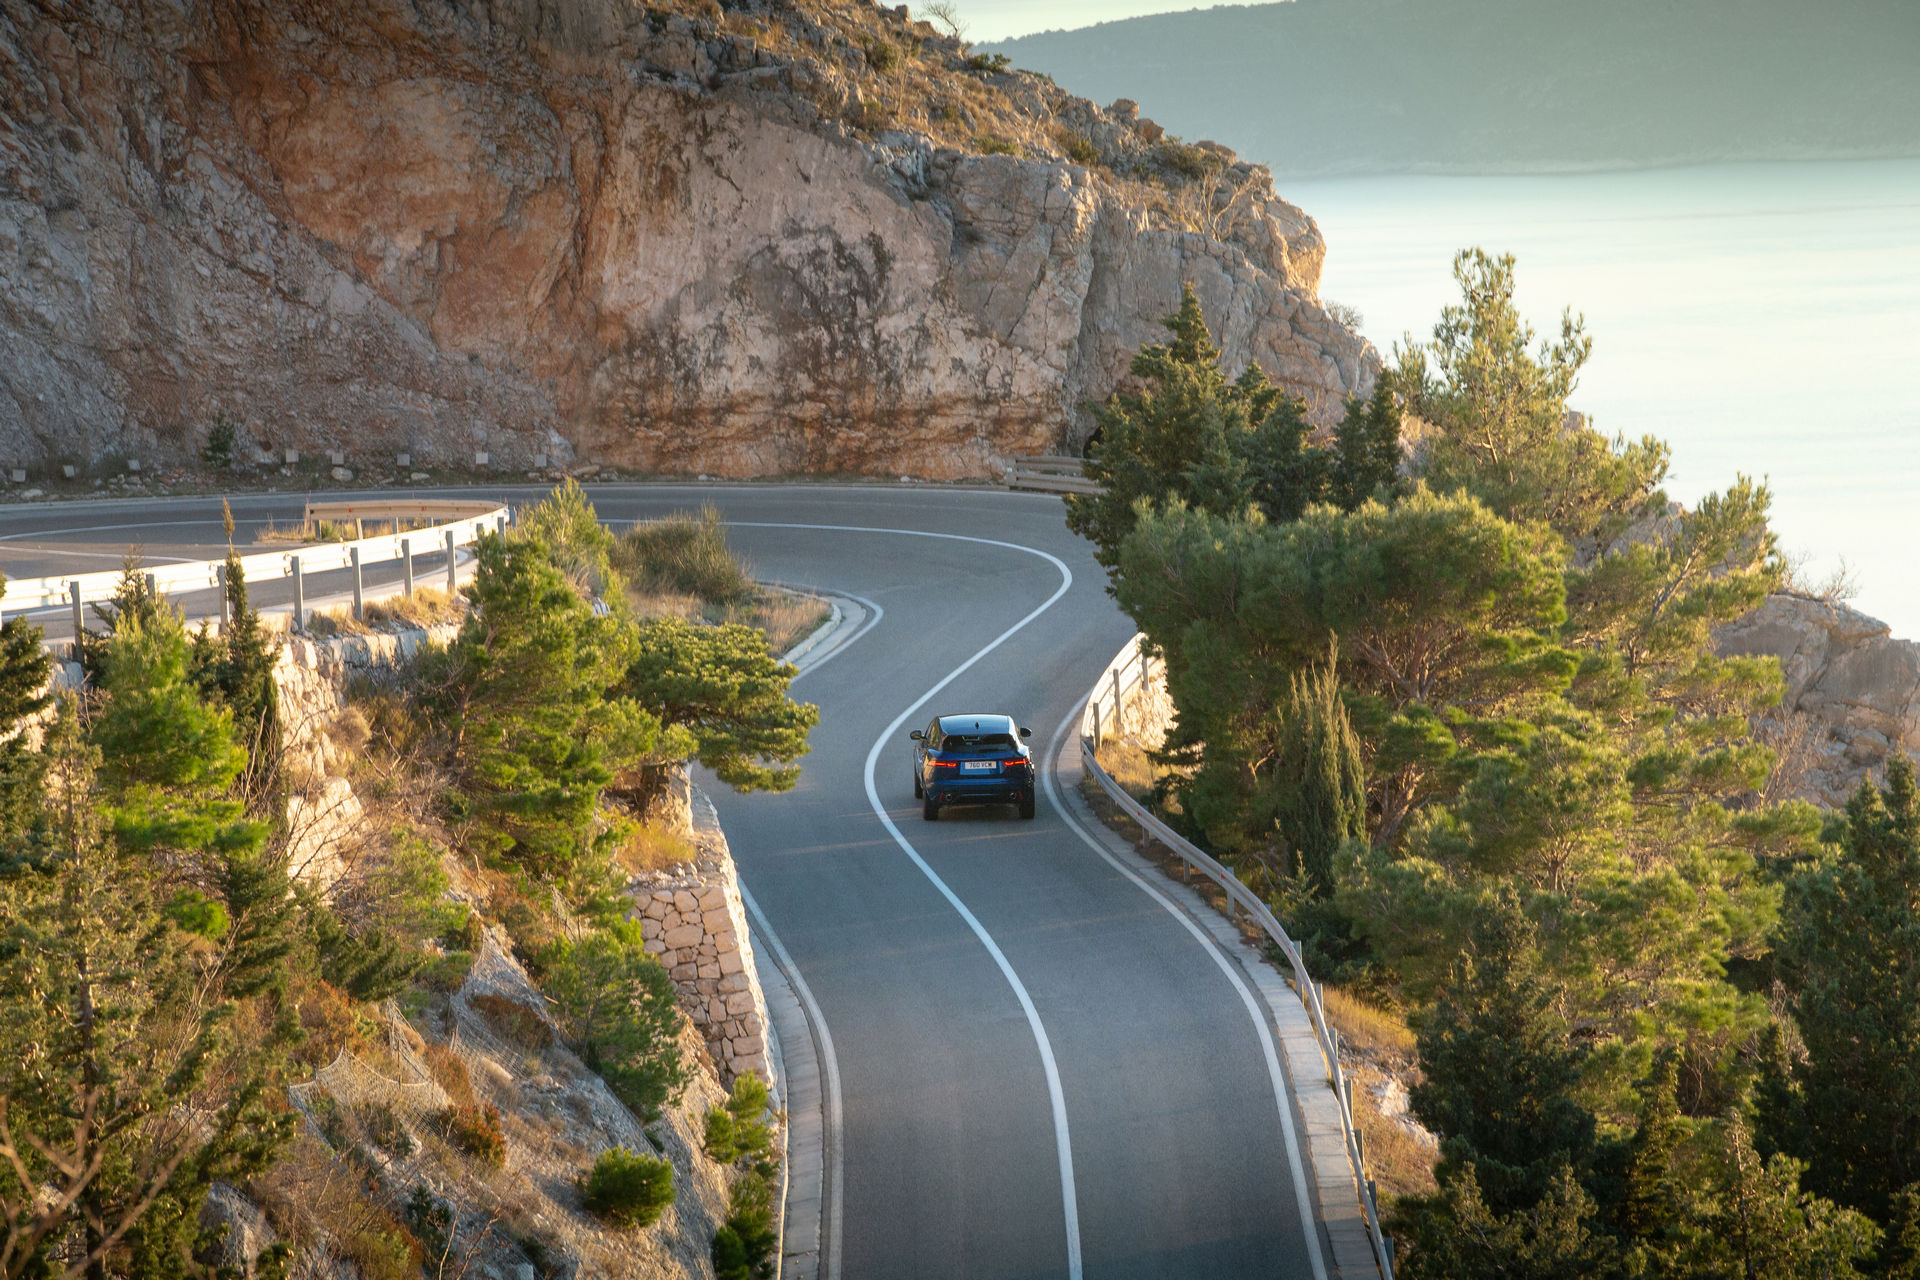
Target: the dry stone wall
pixel 693 918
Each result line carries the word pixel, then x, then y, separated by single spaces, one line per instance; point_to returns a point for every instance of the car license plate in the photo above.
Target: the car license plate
pixel 979 764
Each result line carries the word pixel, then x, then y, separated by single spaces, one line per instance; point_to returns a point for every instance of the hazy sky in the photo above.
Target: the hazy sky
pixel 989 20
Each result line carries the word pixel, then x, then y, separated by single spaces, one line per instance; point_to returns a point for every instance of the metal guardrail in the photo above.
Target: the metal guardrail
pixel 76 589
pixel 1105 712
pixel 1051 473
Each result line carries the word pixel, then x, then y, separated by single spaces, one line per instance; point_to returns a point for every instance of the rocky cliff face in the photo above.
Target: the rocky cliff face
pixel 1853 692
pixel 741 241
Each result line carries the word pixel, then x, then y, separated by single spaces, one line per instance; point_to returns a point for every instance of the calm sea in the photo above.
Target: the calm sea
pixel 1763 319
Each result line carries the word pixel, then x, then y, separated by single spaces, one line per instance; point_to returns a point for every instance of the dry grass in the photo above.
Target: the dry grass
pixel 1398 1162
pixel 1378 1051
pixel 313 1196
pixel 1129 765
pixel 1368 1028
pixel 426 607
pixel 654 848
pixel 307 531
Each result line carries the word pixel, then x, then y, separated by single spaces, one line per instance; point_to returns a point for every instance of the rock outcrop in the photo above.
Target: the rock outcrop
pixel 572 231
pixel 1853 691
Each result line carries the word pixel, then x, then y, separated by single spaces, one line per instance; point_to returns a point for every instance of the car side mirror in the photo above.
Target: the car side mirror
pixel 916 735
pixel 1026 733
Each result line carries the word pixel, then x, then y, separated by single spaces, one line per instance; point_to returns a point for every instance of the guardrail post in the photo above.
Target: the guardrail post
pixel 299 594
pixel 359 590
pixel 359 528
pixel 1096 724
pixel 153 586
pixel 1119 719
pixel 406 566
pixel 226 610
pixel 453 577
pixel 79 619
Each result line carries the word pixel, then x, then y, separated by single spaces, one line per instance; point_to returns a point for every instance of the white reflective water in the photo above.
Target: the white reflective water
pixel 1761 318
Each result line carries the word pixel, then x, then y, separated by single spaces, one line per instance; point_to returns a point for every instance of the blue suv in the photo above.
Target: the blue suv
pixel 971 760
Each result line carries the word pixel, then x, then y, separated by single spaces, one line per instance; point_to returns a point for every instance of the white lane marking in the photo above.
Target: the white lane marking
pixel 1263 1028
pixel 830 1096
pixel 108 528
pixel 1056 1095
pixel 105 555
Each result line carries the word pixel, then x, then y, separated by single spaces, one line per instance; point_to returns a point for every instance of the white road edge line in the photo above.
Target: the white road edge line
pixel 874 614
pixel 830 1068
pixel 1262 1027
pixel 1056 1095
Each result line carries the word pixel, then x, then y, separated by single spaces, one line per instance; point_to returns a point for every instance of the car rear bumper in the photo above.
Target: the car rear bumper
pixel 984 791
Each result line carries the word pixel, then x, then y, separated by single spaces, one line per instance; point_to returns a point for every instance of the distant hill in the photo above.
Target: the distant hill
pixel 1384 86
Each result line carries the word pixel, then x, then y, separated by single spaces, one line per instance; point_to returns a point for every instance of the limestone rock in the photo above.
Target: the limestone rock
pixel 1855 687
pixel 575 233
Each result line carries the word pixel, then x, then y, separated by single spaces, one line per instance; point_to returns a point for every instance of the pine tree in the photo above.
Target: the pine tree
pixel 723 686
pixel 24 670
pixel 1851 956
pixel 238 668
pixel 1501 419
pixel 540 729
pixel 1502 1070
pixel 1652 1212
pixel 1366 449
pixel 1189 435
pixel 1764 1227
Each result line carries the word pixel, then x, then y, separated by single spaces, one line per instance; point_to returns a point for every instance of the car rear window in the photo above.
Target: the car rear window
pixel 977 742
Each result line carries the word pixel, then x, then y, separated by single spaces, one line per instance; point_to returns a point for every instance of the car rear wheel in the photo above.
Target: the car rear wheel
pixel 1026 807
pixel 929 810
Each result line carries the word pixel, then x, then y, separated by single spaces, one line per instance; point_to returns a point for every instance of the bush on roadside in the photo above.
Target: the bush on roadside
pixel 743 1246
pixel 739 1130
pixel 687 555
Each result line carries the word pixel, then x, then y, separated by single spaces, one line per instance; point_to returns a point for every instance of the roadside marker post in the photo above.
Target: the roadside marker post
pixel 359 589
pixel 406 565
pixel 226 609
pixel 79 619
pixel 299 594
pixel 453 579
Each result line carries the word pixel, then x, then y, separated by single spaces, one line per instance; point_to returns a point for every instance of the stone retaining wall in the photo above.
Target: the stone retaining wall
pixel 692 918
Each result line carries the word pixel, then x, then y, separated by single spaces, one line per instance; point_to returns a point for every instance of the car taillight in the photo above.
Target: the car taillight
pixel 945 764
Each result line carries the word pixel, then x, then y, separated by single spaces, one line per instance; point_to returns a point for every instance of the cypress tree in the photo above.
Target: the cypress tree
pixel 1323 783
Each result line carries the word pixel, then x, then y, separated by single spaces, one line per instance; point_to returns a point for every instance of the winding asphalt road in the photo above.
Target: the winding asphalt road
pixel 1044 1072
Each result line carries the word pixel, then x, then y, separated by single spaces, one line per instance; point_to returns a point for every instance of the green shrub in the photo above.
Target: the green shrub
pixel 430 1219
pixel 883 56
pixel 743 1246
pixel 476 1131
pixel 462 929
pixel 194 912
pixel 992 144
pixel 687 555
pixel 1189 161
pixel 384 1130
pixel 447 973
pixel 1078 147
pixel 627 1190
pixel 618 1006
pixel 218 451
pixel 990 62
pixel 739 1129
